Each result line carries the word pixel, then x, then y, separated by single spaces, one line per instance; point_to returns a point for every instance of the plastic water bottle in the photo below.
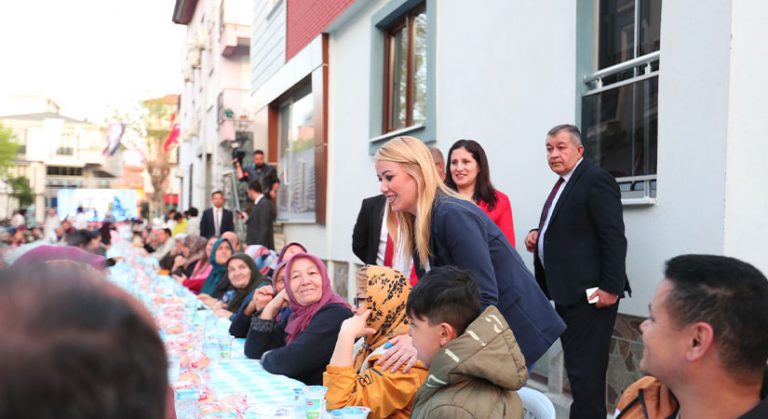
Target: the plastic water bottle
pixel 299 404
pixel 186 403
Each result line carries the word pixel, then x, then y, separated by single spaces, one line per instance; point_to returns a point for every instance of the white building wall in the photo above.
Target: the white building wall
pixel 746 193
pixel 267 42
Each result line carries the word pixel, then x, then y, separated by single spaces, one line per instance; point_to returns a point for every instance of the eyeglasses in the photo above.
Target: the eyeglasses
pixel 359 300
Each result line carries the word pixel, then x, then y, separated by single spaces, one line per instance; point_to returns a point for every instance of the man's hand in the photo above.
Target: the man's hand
pixel 243 215
pixel 401 353
pixel 605 298
pixel 357 325
pixel 532 240
pixel 236 162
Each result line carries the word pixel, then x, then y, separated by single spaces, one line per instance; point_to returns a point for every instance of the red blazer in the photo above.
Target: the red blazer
pixel 501 215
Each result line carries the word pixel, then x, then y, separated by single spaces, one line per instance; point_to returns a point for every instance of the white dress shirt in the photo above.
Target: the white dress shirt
pixel 566 177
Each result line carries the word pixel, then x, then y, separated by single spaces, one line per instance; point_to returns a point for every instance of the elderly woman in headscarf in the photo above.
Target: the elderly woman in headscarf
pixel 300 345
pixel 241 321
pixel 242 279
pixel 382 294
pixel 220 254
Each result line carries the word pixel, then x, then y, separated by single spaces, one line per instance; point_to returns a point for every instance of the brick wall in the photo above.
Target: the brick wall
pixel 308 18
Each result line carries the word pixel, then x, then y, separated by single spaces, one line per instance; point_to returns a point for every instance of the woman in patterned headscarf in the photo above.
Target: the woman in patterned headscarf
pixel 381 315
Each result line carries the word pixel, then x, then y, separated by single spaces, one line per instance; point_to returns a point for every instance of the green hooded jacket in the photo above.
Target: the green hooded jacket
pixel 475 375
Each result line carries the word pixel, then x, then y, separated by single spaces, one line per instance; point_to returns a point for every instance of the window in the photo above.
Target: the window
pixel 620 111
pixel 405 71
pixel 297 196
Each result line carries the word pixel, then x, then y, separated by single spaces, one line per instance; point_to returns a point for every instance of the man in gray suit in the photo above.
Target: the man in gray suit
pixel 259 222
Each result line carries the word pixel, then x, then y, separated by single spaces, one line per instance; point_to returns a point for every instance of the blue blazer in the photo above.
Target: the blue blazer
pixel 462 235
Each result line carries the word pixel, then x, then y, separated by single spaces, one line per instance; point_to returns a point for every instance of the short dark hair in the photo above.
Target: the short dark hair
pixel 255 152
pixel 729 295
pixel 255 186
pixel 217 192
pixel 573 130
pixel 192 211
pixel 446 294
pixel 79 238
pixel 76 346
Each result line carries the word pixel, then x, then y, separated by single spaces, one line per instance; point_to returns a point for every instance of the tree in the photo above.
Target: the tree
pixel 8 147
pixel 21 190
pixel 158 125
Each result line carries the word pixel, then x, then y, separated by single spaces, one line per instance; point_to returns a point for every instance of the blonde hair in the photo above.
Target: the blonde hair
pixel 416 160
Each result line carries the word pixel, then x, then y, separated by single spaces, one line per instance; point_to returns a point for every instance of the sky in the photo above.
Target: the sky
pixel 90 56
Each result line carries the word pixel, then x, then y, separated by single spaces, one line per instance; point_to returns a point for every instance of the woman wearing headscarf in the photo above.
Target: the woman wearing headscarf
pixel 382 294
pixel 266 259
pixel 241 320
pixel 289 250
pixel 201 266
pixel 220 253
pixel 241 280
pixel 300 345
pixel 439 227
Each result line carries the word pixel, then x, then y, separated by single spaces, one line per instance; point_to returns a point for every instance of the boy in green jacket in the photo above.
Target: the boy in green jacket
pixel 475 364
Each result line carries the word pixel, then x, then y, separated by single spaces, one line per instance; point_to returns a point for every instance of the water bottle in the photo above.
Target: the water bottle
pixel 186 403
pixel 299 404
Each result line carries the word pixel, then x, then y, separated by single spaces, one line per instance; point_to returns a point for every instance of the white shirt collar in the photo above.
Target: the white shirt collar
pixel 256 201
pixel 566 177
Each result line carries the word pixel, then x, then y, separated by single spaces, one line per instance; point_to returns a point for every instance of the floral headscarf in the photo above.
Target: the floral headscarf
pixel 301 315
pixel 387 293
pixel 264 258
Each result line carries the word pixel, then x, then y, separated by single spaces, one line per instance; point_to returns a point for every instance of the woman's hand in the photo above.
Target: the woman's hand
pixel 222 313
pixel 261 297
pixel 180 278
pixel 400 354
pixel 357 325
pixel 274 306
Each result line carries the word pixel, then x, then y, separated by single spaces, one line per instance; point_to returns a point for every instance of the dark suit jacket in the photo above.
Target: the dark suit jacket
pixel 584 244
pixel 461 234
pixel 259 224
pixel 367 232
pixel 208 228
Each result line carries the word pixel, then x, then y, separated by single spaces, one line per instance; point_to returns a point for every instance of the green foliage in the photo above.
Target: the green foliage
pixel 21 190
pixel 8 147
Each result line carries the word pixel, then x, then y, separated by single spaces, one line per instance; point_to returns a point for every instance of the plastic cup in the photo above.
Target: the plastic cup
pixel 315 399
pixel 225 347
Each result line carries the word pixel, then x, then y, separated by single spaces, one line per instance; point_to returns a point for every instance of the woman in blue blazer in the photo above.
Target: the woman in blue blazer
pixel 438 227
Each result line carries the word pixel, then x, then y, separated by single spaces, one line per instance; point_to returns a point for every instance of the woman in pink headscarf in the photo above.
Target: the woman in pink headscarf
pixel 300 345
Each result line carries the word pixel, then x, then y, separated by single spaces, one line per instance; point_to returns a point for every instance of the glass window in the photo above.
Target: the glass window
pixel 620 116
pixel 620 128
pixel 406 71
pixel 297 196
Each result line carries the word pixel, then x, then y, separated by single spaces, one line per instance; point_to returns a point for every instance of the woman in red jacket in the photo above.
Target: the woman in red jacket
pixel 468 174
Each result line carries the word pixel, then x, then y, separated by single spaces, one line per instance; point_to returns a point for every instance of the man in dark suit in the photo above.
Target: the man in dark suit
pixel 259 223
pixel 366 236
pixel 216 220
pixel 579 255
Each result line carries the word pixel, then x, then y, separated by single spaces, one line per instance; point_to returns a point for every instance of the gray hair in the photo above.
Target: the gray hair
pixel 570 129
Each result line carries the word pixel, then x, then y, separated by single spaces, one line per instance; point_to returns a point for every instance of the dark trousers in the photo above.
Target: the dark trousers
pixel 586 342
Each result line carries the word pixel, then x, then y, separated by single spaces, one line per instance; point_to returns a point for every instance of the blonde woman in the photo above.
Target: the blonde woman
pixel 438 227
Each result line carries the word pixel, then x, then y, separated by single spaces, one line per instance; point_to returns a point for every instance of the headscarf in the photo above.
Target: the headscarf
pixel 256 281
pixel 217 270
pixel 301 315
pixel 285 248
pixel 387 290
pixel 47 253
pixel 196 246
pixel 265 259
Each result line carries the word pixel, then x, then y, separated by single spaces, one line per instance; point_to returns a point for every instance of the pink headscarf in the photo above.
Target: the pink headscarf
pixel 301 315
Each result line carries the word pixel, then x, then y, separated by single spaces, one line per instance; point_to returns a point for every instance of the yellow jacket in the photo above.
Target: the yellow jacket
pixel 387 394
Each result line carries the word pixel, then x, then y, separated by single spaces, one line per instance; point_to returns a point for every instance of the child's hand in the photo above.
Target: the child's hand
pixel 401 353
pixel 357 325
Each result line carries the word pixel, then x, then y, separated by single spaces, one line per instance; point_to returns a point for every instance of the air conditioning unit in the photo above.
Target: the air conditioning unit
pixel 203 40
pixel 194 58
pixel 187 73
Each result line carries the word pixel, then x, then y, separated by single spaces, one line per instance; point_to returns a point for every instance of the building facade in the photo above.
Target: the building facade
pixel 667 95
pixel 215 116
pixel 57 152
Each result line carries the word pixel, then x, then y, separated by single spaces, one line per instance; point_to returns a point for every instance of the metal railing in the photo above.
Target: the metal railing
pixel 646 61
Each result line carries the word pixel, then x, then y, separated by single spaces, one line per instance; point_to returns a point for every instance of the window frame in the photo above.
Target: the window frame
pixel 406 21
